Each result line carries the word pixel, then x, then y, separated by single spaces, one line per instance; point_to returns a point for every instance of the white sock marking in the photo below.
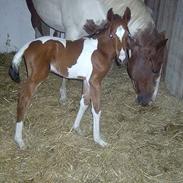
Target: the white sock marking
pixel 81 111
pixel 96 128
pixel 63 93
pixel 18 134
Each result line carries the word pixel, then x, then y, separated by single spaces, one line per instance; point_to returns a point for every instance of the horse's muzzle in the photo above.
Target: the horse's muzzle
pixel 143 101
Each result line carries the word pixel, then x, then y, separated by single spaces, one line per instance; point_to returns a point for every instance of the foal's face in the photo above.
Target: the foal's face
pixel 118 27
pixel 121 32
pixel 144 68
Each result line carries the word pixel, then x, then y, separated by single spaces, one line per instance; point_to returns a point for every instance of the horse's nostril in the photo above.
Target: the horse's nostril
pixel 141 100
pixel 144 104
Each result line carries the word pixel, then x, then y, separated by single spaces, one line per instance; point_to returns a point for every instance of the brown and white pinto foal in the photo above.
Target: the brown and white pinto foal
pixel 88 59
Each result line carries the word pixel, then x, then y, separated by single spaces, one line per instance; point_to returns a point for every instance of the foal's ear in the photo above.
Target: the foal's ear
pixel 110 15
pixel 127 15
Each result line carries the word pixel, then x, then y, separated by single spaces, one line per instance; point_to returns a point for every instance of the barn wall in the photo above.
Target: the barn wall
pixel 154 6
pixel 168 17
pixel 163 12
pixel 174 69
pixel 15 28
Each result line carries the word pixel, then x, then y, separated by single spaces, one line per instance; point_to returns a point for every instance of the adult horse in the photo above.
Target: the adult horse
pixel 59 15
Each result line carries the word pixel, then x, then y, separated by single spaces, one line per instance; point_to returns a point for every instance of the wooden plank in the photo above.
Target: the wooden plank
pixel 154 6
pixel 166 16
pixel 174 70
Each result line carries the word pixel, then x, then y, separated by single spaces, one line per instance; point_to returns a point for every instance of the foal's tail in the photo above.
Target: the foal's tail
pixel 14 67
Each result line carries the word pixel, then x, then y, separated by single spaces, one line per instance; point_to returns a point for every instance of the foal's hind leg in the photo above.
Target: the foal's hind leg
pixel 24 99
pixel 26 92
pixel 84 102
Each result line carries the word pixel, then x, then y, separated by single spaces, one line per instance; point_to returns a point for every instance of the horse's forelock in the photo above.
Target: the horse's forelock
pixel 149 37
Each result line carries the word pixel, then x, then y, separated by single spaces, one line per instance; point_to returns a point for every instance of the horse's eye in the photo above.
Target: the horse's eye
pixel 155 71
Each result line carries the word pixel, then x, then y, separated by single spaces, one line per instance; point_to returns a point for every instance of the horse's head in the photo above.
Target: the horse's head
pixel 114 28
pixel 144 66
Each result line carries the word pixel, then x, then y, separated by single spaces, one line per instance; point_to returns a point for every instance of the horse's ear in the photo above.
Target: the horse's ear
pixel 110 15
pixel 162 34
pixel 127 15
pixel 131 42
pixel 161 44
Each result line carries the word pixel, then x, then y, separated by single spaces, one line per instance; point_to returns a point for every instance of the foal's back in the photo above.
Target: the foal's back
pixel 58 55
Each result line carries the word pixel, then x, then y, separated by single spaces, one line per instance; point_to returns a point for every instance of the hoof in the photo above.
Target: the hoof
pixel 63 96
pixel 63 101
pixel 78 131
pixel 20 144
pixel 101 142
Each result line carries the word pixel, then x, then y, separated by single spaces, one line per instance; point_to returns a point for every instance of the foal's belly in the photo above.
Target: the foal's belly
pixel 82 67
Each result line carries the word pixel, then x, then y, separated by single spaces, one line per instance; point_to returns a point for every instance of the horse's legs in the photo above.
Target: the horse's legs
pixel 71 33
pixel 27 90
pixel 57 33
pixel 63 93
pixel 96 112
pixel 84 102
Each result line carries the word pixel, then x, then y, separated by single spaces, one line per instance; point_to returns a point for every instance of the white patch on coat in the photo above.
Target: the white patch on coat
pixel 122 55
pixel 120 32
pixel 130 53
pixel 156 86
pixel 83 66
pixel 81 111
pixel 48 38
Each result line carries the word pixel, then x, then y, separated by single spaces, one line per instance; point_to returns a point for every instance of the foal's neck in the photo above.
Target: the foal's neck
pixel 107 47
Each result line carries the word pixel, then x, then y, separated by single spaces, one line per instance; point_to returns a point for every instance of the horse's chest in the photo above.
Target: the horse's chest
pixel 83 66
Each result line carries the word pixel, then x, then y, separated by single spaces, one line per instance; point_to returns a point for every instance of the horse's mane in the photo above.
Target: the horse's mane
pixel 148 36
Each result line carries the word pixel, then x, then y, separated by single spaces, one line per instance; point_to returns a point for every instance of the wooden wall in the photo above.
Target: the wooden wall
pixel 168 15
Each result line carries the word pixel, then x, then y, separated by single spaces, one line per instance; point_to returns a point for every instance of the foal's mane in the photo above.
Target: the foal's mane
pixel 95 30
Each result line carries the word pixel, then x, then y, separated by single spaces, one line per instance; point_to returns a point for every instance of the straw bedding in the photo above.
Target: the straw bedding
pixel 145 144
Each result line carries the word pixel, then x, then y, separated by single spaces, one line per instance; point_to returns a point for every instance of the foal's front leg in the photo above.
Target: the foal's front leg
pixel 96 112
